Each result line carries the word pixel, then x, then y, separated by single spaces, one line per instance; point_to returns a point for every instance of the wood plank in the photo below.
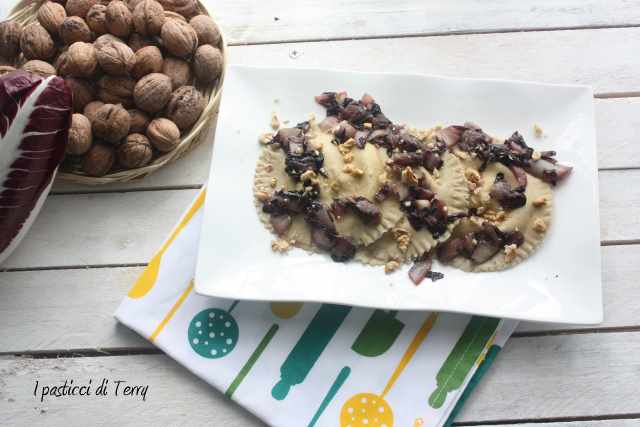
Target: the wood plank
pixel 91 229
pixel 269 21
pixel 65 309
pixel 595 57
pixel 123 228
pixel 175 396
pixel 619 198
pixel 617 121
pixel 602 368
pixel 541 378
pixel 599 58
pixel 32 304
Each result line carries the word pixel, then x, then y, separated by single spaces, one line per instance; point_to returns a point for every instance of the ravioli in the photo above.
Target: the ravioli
pixel 527 219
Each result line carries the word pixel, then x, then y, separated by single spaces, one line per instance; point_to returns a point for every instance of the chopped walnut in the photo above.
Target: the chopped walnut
pixel 391 266
pixel 340 97
pixel 477 221
pixel 535 156
pixel 537 130
pixel 308 175
pixel 473 175
pixel 262 195
pixel 539 202
pixel 274 182
pixel 539 225
pixel 275 122
pixel 481 210
pixel 402 238
pixel 461 154
pixel 408 177
pixel 353 171
pixel 348 158
pixel 367 125
pixel 349 143
pixel 510 252
pixel 280 246
pixel 265 138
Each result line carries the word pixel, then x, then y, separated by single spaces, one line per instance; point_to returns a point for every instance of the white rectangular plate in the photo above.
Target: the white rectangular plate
pixel 560 283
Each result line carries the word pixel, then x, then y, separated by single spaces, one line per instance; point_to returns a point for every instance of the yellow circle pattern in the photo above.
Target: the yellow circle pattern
pixel 366 410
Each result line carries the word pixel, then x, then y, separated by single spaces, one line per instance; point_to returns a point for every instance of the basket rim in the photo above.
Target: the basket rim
pixel 28 9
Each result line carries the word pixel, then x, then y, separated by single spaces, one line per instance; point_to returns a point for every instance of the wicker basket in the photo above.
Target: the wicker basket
pixel 25 12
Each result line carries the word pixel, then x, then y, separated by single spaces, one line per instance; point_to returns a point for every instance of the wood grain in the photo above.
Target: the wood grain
pixel 600 58
pixel 602 369
pixel 31 304
pixel 92 229
pixel 561 376
pixel 275 21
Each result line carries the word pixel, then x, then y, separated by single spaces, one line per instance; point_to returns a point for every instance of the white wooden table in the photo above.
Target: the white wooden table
pixel 62 285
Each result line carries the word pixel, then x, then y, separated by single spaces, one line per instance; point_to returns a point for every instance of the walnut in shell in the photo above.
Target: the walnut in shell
pixel 119 19
pixel 116 90
pixel 173 15
pixel 10 34
pixel 152 92
pixel 39 67
pixel 74 29
pixel 147 60
pixel 51 15
pixel 186 8
pixel 111 123
pixel 207 63
pixel 178 70
pixel 36 43
pixel 134 152
pixel 96 19
pixel 99 160
pixel 79 60
pixel 163 134
pixel 206 29
pixel 139 121
pixel 79 7
pixel 83 92
pixel 185 107
pixel 138 41
pixel 131 4
pixel 114 57
pixel 80 135
pixel 91 109
pixel 179 38
pixel 148 18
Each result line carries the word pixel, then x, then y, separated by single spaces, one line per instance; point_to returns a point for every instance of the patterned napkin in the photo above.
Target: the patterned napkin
pixel 295 364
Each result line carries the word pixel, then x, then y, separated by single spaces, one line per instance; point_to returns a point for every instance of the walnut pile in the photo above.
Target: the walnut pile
pixel 138 70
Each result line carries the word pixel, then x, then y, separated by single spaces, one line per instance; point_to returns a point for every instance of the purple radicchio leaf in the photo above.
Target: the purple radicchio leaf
pixel 35 116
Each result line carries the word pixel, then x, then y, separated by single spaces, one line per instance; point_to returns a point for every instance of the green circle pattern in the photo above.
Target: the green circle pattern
pixel 213 333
